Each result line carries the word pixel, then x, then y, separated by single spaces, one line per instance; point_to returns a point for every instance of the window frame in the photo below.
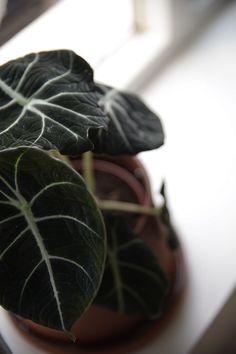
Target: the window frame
pixel 157 37
pixel 152 47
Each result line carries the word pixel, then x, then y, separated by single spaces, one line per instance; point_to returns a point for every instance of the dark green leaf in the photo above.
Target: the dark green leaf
pixel 47 99
pixel 52 246
pixel 172 239
pixel 132 127
pixel 133 282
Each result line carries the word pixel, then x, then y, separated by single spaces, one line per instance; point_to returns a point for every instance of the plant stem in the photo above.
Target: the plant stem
pixel 88 173
pixel 61 157
pixel 127 207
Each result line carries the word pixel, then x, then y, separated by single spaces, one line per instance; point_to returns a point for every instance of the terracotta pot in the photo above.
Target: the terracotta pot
pixel 99 329
pixel 129 178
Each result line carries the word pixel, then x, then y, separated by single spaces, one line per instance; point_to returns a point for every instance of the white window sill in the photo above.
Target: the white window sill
pixel 57 28
pixel 133 59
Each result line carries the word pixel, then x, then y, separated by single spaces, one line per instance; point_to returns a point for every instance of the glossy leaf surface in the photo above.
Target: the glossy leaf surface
pixel 132 126
pixel 47 99
pixel 52 244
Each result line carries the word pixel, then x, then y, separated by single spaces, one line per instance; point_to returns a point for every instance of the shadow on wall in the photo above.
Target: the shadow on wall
pixel 16 14
pixel 221 334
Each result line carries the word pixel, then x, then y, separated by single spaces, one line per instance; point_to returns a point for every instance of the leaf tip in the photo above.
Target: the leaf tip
pixel 71 336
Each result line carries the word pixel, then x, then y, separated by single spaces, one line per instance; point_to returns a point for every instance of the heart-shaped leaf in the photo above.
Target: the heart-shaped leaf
pixel 133 282
pixel 52 245
pixel 132 126
pixel 47 99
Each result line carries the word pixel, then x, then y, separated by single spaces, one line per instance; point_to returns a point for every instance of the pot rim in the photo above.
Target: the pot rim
pixel 144 334
pixel 131 172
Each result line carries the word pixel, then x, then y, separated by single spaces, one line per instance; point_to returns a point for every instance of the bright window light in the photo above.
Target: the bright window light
pixel 93 29
pixel 132 37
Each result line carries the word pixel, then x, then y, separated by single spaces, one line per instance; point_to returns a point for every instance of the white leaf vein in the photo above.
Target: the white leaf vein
pixel 54 79
pixel 13 242
pixel 30 219
pixel 63 94
pixel 62 108
pixel 67 260
pixel 69 217
pixel 44 116
pixel 9 104
pixel 11 218
pixel 109 110
pixel 40 243
pixel 15 121
pixel 27 281
pixel 27 70
pixel 49 186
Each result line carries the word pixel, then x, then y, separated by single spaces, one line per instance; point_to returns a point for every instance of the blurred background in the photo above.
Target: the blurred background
pixel 180 56
pixel 16 14
pixel 100 29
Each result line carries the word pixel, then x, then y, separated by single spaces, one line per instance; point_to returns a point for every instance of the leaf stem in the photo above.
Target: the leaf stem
pixel 64 158
pixel 88 173
pixel 128 207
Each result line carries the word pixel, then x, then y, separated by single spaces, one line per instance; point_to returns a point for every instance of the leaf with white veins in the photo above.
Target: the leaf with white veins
pixel 52 239
pixel 47 99
pixel 132 126
pixel 133 281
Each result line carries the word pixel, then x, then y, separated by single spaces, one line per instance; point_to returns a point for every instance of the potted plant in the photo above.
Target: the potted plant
pixel 78 228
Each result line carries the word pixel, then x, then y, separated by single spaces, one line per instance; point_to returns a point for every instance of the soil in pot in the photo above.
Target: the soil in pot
pixel 99 329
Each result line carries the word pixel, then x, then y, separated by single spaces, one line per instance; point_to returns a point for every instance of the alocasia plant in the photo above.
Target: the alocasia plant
pixel 55 242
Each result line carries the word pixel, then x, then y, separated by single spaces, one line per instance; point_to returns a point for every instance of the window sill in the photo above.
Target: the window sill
pixel 131 64
pixel 131 59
